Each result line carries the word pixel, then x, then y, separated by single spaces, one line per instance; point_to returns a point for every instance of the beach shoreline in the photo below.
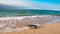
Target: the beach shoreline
pixel 8 23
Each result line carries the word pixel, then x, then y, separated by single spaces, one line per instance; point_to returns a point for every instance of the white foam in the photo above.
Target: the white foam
pixel 9 29
pixel 56 21
pixel 1 25
pixel 41 16
pixel 38 24
pixel 22 17
pixel 19 29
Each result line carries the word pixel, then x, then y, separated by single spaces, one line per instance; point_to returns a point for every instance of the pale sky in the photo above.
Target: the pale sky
pixel 33 4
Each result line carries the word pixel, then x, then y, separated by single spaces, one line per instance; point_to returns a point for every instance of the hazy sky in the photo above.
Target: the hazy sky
pixel 33 4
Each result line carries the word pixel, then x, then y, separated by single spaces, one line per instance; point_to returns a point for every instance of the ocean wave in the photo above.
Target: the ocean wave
pixel 22 17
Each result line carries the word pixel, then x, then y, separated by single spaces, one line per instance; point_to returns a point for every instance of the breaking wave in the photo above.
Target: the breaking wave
pixel 22 17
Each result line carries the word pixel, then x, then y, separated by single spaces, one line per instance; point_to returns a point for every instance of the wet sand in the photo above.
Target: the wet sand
pixel 45 29
pixel 46 22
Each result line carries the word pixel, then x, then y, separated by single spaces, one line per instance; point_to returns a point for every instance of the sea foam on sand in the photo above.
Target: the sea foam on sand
pixel 9 29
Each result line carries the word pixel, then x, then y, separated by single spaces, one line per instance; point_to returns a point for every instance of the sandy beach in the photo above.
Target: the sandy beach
pixel 17 25
pixel 46 29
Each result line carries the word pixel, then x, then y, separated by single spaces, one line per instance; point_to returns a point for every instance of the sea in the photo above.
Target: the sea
pixel 10 13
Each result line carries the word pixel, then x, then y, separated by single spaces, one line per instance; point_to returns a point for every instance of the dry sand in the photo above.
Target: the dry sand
pixel 45 29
